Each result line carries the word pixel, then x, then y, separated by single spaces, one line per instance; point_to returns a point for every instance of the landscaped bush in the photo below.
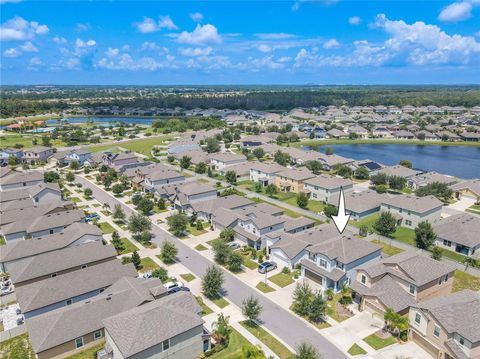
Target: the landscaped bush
pixel 286 270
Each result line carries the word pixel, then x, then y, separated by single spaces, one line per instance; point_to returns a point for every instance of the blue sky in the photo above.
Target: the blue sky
pixel 240 42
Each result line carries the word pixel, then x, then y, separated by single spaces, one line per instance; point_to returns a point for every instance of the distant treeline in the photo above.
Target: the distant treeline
pixel 265 99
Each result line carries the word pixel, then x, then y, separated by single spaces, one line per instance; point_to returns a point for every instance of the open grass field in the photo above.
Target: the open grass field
pixel 142 145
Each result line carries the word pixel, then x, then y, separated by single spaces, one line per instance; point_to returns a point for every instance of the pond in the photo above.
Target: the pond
pixel 112 120
pixel 458 161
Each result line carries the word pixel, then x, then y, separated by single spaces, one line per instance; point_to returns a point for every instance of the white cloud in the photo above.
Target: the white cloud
pixel 296 5
pixel 79 43
pixel 18 28
pixel 11 52
pixel 82 27
pixel 197 51
pixel 331 44
pixel 354 20
pixel 59 40
pixel 458 11
pixel 203 34
pixel 149 25
pixel 34 63
pixel 112 52
pixel 28 47
pixel 196 16
pixel 126 62
pixel 265 62
pixel 264 48
pixel 274 36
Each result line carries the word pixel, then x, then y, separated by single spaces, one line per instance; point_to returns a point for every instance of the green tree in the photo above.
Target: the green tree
pixel 317 309
pixel 437 253
pixel 381 188
pixel 361 173
pixel 161 204
pixel 251 309
pixel 136 260
pixel 171 159
pixel 88 192
pixel 385 224
pixel 51 176
pixel 199 225
pixel 161 273
pixel 329 151
pixel 234 261
pixel 231 177
pixel 437 189
pixel 221 329
pixel 168 252
pixel 117 189
pixel 397 182
pixel 344 171
pixel 185 162
pixel 281 158
pixel 257 187
pixel 70 177
pixel 177 224
pixel 201 167
pixel 227 234
pixel 221 251
pixel 258 152
pixel 145 206
pixel 138 223
pixel 209 172
pixel 405 163
pixel 271 190
pixel 307 351
pixel 212 145
pixel 470 262
pixel 12 161
pixel 212 282
pixel 314 166
pixel 302 200
pixel 330 210
pixel 379 179
pixel 74 165
pixel 118 213
pixel 424 235
pixel 302 298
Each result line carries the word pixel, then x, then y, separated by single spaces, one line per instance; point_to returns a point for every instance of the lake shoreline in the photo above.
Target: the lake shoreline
pixel 321 143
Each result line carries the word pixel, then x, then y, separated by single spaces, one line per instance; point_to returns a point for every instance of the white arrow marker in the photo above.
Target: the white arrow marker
pixel 341 219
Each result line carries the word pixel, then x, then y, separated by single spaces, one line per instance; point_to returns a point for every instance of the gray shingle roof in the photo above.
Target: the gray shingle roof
pixel 457 312
pixel 328 182
pixel 297 174
pixel 55 289
pixel 150 324
pixel 267 167
pixel 60 260
pixel 462 228
pixel 472 185
pixel 400 171
pixel 413 203
pixel 227 157
pixel 21 249
pixel 65 324
pixel 19 177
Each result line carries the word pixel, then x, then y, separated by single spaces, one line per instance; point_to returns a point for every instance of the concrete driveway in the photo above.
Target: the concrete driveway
pixel 462 204
pixel 407 350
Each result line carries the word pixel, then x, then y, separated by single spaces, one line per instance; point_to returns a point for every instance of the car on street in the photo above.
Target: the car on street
pixel 90 217
pixel 267 267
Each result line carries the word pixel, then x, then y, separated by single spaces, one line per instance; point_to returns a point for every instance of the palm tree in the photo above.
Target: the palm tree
pixel 470 262
pixel 388 317
pixel 329 293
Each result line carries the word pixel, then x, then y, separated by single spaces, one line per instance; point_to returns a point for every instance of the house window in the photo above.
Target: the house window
pixel 53 275
pixel 364 279
pixel 462 341
pixel 78 342
pixel 412 289
pixel 166 344
pixel 418 318
pixel 323 263
pixel 24 184
pixel 408 222
pixel 51 231
pixel 447 243
pixel 36 199
pixel 97 335
pixel 311 256
pixel 68 302
pixel 84 266
pixel 101 290
pixel 436 331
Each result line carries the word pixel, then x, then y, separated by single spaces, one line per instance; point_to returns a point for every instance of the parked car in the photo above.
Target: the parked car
pixel 145 275
pixel 91 217
pixel 170 285
pixel 234 245
pixel 267 267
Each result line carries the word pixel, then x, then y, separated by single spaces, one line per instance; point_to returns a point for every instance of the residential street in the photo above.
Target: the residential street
pixel 283 324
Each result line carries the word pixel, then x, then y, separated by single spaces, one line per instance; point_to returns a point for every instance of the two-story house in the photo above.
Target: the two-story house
pixel 323 187
pixel 79 155
pixel 410 210
pixel 265 173
pixel 222 160
pixel 37 154
pixel 448 327
pixel 361 204
pixel 326 257
pixel 292 179
pixel 459 233
pixel 6 153
pixel 400 281
pixel 161 178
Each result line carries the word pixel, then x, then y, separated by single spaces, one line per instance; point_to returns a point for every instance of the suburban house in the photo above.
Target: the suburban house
pixel 13 211
pixel 292 179
pixel 55 263
pixel 79 326
pixel 437 327
pixel 222 160
pixel 123 159
pixel 161 178
pixel 36 195
pixel 410 210
pixel 400 281
pixel 255 141
pixel 15 180
pixel 6 153
pixel 426 178
pixel 183 195
pixel 205 209
pixel 74 235
pixel 459 233
pixel 63 290
pixel 467 189
pixel 358 131
pixel 183 145
pixel 37 153
pixel 65 158
pixel 144 331
pixel 404 135
pixel 470 136
pixel 323 187
pixel 195 156
pixel 336 133
pixel 326 257
pixel 400 171
pixel 381 131
pixel 371 166
pixel 265 173
pixel 361 204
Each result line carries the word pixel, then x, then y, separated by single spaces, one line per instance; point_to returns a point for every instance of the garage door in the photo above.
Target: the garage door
pixel 312 276
pixel 424 344
pixel 373 307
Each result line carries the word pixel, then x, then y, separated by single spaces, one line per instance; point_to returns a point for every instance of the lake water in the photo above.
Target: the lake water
pixel 128 120
pixel 462 162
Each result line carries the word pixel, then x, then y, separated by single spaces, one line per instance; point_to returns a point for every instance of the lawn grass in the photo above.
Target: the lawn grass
pixel 281 279
pixel 188 277
pixel 194 231
pixel 332 309
pixel 356 350
pixel 128 247
pixel 147 265
pixel 90 353
pixel 17 347
pixel 143 145
pixel 268 339
pixel 402 234
pixel 106 213
pixel 464 280
pixel 235 344
pixel 378 343
pixel 206 310
pixel 387 248
pixel 220 302
pixel 96 205
pixel 106 227
pixel 74 199
pixel 200 247
pixel 247 260
pixel 264 288
pixel 158 210
pixel 454 256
